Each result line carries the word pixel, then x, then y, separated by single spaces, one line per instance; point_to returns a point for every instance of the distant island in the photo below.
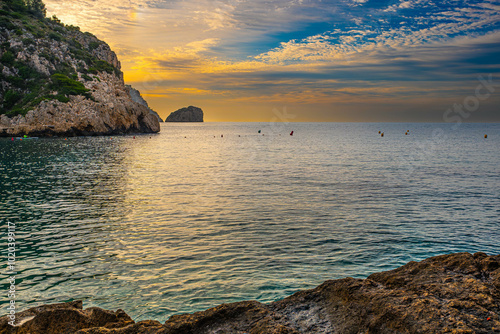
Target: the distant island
pixel 455 293
pixel 56 80
pixel 188 114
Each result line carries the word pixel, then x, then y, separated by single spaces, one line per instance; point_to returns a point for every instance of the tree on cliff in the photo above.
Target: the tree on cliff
pixel 35 7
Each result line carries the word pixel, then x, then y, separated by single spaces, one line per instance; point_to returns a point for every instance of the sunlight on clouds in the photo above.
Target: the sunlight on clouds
pixel 301 52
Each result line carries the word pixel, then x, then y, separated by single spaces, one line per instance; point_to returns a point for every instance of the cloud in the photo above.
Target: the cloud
pixel 299 51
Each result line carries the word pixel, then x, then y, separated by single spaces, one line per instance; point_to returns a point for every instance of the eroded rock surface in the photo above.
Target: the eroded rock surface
pixel 137 97
pixel 456 293
pixel 57 80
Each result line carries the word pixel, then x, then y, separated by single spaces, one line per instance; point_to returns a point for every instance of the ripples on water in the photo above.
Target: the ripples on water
pixel 185 220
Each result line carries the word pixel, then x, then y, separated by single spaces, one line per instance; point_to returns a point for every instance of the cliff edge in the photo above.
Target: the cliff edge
pixel 56 80
pixel 456 293
pixel 137 97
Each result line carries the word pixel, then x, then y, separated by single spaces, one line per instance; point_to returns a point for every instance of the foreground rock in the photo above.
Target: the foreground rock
pixel 457 293
pixel 189 114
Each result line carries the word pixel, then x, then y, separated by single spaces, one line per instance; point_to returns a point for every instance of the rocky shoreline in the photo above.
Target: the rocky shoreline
pixel 455 293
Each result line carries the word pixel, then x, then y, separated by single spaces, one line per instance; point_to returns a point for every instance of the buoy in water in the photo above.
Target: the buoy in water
pixel 485 136
pixel 260 131
pixel 379 132
pixel 12 138
pixel 382 134
pixel 291 133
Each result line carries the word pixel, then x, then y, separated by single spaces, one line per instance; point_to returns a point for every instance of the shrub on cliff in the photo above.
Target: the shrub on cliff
pixel 41 55
pixel 68 86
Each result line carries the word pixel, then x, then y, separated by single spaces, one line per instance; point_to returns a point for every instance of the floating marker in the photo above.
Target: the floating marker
pixel 291 133
pixel 485 136
pixel 382 134
pixel 379 132
pixel 260 131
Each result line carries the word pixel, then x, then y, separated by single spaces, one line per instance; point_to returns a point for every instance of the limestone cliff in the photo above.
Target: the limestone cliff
pixel 456 293
pixel 56 80
pixel 137 97
pixel 189 114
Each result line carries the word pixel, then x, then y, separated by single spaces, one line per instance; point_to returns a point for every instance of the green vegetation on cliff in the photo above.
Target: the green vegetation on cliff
pixel 43 59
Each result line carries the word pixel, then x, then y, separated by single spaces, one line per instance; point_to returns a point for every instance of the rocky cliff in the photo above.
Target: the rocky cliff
pixel 189 114
pixel 56 80
pixel 137 97
pixel 456 293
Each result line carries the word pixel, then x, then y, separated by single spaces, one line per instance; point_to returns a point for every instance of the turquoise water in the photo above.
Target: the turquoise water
pixel 186 219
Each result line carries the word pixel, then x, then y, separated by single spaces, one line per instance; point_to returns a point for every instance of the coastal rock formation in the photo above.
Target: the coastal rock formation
pixel 456 293
pixel 136 96
pixel 56 80
pixel 189 114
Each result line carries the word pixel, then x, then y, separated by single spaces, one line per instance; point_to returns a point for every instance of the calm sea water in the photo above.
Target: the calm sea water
pixel 186 219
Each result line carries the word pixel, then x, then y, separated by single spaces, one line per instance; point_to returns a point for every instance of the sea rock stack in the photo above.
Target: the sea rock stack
pixel 455 293
pixel 189 114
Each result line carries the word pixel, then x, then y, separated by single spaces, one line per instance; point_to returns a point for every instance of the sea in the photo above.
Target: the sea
pixel 209 213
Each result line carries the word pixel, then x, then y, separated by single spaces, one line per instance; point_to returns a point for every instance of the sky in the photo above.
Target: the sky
pixel 305 60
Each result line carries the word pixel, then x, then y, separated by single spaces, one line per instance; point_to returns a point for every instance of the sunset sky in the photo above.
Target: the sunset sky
pixel 310 60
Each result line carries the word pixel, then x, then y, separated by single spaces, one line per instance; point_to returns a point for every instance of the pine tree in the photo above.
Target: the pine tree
pixel 36 7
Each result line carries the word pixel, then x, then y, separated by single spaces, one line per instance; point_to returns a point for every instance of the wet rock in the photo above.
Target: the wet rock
pixel 456 293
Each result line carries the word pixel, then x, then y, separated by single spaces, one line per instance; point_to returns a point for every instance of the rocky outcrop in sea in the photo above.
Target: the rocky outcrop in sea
pixel 189 114
pixel 57 80
pixel 456 293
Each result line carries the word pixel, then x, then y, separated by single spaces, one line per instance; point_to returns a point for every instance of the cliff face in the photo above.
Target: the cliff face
pixel 136 96
pixel 56 80
pixel 189 114
pixel 456 293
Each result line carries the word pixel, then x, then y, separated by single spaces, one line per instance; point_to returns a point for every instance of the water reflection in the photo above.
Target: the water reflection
pixel 187 219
